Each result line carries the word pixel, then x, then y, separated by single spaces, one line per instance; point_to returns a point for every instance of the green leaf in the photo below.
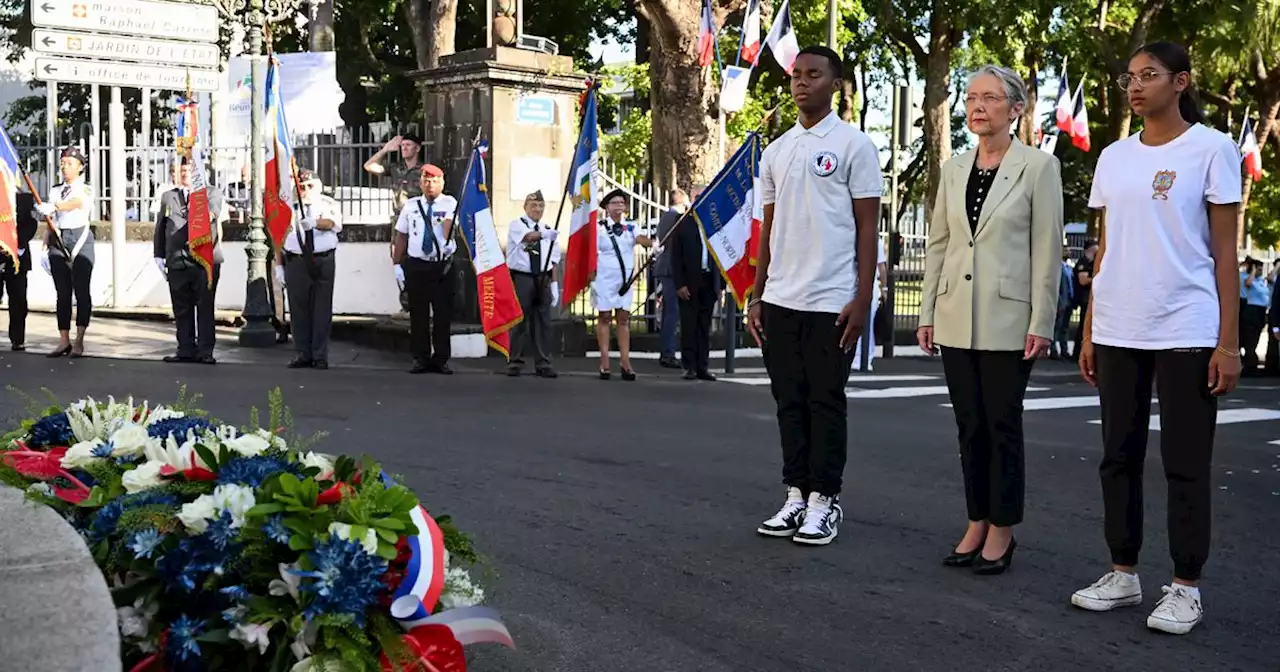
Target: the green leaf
pixel 265 509
pixel 300 542
pixel 390 523
pixel 207 455
pixel 290 484
pixel 219 636
pixel 388 535
pixel 387 551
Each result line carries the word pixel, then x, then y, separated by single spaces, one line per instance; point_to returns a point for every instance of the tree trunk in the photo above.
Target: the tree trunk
pixel 433 25
pixel 1268 110
pixel 682 99
pixel 1028 124
pixel 848 99
pixel 937 99
pixel 865 102
pixel 320 30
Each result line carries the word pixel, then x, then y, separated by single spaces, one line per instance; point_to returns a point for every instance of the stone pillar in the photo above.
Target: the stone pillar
pixel 525 104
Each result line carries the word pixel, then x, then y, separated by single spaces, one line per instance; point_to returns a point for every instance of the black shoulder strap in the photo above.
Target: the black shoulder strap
pixel 431 230
pixel 617 251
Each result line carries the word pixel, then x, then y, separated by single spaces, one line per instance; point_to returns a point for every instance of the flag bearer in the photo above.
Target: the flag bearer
pixel 307 271
pixel 423 256
pixel 532 255
pixel 69 206
pixel 820 181
pixel 615 261
pixel 14 270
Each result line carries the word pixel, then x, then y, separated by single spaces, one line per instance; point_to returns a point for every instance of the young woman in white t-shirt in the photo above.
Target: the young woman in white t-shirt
pixel 1164 308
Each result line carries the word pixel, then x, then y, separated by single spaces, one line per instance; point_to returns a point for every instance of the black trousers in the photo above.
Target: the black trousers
pixel 695 323
pixel 430 285
pixel 69 283
pixel 987 389
pixel 808 372
pixel 1253 321
pixel 311 299
pixel 14 285
pixel 1188 415
pixel 193 299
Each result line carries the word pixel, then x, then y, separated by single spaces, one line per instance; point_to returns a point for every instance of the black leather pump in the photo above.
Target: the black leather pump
pixel 991 567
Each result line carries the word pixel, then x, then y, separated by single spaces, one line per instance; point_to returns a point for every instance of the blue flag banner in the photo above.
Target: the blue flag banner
pixel 724 214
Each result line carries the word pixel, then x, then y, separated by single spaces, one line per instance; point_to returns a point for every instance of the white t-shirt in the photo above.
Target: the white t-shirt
pixel 811 177
pixel 410 223
pixel 1156 289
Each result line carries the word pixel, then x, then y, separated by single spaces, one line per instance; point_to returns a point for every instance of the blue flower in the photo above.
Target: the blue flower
pixel 145 542
pixel 103 523
pixel 53 430
pixel 185 568
pixel 182 649
pixel 103 451
pixel 177 426
pixel 221 533
pixel 276 530
pixel 237 593
pixel 346 579
pixel 253 471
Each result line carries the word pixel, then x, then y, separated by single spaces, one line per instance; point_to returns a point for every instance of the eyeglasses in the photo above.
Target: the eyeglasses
pixel 308 187
pixel 1142 78
pixel 986 99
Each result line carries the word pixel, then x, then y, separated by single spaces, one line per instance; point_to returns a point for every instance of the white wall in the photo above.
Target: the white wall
pixel 365 284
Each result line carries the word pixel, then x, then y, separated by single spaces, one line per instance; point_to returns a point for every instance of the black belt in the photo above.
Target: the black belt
pixel 290 256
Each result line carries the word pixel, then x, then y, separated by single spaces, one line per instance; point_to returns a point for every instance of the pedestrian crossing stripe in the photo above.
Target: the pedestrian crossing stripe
pixel 1228 417
pixel 873 378
pixel 903 392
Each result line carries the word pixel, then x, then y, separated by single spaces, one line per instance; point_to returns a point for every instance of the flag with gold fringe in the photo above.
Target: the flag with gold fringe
pixel 199 219
pixel 499 309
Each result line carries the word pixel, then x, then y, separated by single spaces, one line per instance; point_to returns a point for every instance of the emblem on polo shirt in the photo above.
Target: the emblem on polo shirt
pixel 824 163
pixel 1162 184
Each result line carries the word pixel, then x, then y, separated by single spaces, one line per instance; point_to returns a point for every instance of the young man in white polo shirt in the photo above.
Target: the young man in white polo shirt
pixel 821 183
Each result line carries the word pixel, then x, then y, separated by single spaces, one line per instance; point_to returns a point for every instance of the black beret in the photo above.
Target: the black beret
pixel 74 152
pixel 616 193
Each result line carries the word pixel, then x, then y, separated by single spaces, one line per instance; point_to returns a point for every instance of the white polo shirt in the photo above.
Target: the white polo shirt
pixel 72 219
pixel 325 208
pixel 1156 289
pixel 411 224
pixel 811 177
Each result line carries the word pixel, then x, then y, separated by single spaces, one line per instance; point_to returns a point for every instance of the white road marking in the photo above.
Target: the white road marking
pixel 853 380
pixel 903 392
pixel 1229 417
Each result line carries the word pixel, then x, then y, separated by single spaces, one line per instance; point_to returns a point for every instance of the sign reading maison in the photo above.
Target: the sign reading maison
pixel 140 18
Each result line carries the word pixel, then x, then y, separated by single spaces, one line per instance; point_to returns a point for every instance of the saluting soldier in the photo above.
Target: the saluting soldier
pixel 532 254
pixel 307 272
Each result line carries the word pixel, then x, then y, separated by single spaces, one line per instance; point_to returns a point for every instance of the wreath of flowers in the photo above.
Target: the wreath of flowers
pixel 232 549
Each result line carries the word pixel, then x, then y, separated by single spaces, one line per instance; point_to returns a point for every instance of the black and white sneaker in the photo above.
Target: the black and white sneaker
pixel 787 520
pixel 821 521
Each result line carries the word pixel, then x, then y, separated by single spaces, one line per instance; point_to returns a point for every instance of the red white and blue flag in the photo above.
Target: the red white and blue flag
pixel 1064 110
pixel 499 308
pixel 10 170
pixel 584 192
pixel 782 38
pixel 281 183
pixel 750 49
pixel 1080 121
pixel 706 36
pixel 725 213
pixel 1250 152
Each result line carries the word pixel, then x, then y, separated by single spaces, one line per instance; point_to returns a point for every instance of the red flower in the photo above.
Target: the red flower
pixel 333 495
pixel 35 464
pixel 433 649
pixel 192 474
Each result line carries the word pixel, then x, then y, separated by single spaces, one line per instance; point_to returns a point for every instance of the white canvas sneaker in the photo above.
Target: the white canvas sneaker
pixel 1177 612
pixel 821 521
pixel 787 520
pixel 1114 589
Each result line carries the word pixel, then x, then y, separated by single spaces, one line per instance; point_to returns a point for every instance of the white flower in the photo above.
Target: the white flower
pixel 344 531
pixel 301 646
pixel 249 445
pixel 460 590
pixel 81 454
pixel 144 477
pixel 251 634
pixel 179 456
pixel 276 442
pixel 160 413
pixel 320 461
pixel 195 515
pixel 130 440
pixel 236 499
pixel 82 425
pixel 135 620
pixel 41 489
pixel 287 584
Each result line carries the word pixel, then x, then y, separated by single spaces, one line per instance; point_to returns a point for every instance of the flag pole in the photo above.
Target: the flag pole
pixel 676 227
pixel 48 221
pixel 593 85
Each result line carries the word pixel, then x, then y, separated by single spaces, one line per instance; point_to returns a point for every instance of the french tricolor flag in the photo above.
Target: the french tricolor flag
pixel 583 190
pixel 281 188
pixel 499 309
pixel 782 38
pixel 750 49
pixel 1064 109
pixel 1250 151
pixel 726 214
pixel 1080 121
pixel 706 36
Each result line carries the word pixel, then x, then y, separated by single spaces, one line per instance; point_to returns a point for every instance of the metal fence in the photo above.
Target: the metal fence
pixel 337 157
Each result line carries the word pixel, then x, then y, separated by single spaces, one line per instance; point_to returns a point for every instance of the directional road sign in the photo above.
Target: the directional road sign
pixel 139 18
pixel 114 48
pixel 111 73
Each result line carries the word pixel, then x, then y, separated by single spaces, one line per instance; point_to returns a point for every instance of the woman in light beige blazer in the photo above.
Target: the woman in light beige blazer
pixel 989 301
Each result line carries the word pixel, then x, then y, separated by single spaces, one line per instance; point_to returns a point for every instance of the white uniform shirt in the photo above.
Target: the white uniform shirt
pixel 1156 289
pixel 411 224
pixel 811 176
pixel 881 258
pixel 67 220
pixel 607 256
pixel 325 241
pixel 517 252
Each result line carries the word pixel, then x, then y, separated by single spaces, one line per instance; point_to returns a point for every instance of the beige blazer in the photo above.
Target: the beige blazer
pixel 988 289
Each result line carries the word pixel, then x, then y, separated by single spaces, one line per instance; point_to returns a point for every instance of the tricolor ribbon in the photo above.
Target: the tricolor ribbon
pixel 423 582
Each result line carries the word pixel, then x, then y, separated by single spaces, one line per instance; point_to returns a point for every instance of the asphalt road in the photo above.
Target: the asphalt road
pixel 617 519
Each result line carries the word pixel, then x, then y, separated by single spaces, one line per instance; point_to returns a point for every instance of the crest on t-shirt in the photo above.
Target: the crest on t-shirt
pixel 1162 184
pixel 823 163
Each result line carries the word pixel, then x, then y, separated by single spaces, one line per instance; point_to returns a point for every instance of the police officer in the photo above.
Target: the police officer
pixel 14 269
pixel 68 206
pixel 422 252
pixel 307 272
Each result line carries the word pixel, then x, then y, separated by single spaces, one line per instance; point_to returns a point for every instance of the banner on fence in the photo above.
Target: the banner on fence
pixel 310 91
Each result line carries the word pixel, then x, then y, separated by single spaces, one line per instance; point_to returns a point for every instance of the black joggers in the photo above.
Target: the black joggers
pixel 808 373
pixel 1188 415
pixel 987 389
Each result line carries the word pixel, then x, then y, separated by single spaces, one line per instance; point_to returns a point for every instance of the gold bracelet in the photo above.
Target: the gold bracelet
pixel 753 303
pixel 1227 352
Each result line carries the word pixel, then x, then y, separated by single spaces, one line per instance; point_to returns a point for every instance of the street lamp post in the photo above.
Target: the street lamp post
pixel 257 331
